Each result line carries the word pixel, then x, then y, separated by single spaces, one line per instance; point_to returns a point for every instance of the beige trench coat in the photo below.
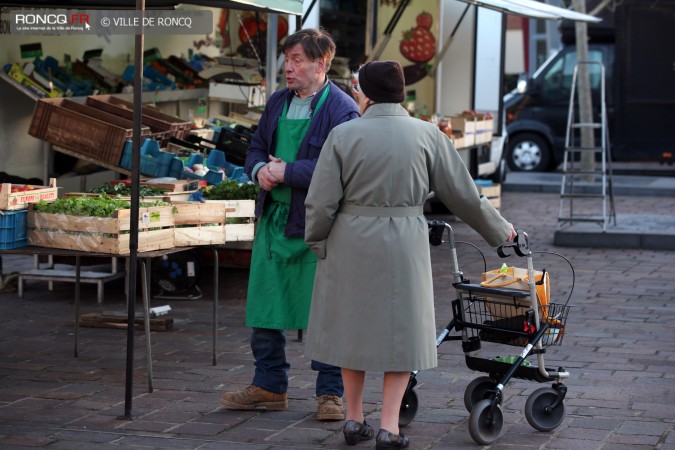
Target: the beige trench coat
pixel 373 303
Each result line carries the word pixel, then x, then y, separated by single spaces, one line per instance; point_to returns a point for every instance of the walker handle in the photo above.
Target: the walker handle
pixel 436 229
pixel 520 245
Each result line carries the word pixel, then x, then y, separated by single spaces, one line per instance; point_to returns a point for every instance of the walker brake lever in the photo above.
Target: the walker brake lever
pixel 520 245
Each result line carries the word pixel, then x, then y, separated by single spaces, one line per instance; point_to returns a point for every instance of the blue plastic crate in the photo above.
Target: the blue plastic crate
pixel 211 177
pixel 149 147
pixel 216 159
pixel 149 166
pixel 234 171
pixel 177 168
pixel 195 158
pixel 50 69
pixel 13 229
pixel 125 161
pixel 155 163
pixel 153 79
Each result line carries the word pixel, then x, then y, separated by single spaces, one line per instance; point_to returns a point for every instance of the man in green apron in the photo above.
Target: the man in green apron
pixel 281 159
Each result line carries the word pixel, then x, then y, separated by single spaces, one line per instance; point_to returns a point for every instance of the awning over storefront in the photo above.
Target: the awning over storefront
pixel 276 6
pixel 532 9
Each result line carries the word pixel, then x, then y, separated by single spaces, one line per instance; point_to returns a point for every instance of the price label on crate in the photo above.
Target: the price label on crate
pixel 151 216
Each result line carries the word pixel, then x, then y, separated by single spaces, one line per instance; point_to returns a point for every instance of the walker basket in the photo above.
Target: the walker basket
pixel 511 323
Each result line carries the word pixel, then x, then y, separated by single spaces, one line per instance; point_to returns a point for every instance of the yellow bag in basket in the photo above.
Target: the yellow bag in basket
pixel 508 309
pixel 517 278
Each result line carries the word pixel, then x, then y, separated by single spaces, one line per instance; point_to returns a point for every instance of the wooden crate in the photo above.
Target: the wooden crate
pixel 163 125
pixel 102 234
pixel 166 197
pixel 460 140
pixel 493 193
pixel 148 198
pixel 120 322
pixel 10 201
pixel 174 185
pixel 238 211
pixel 82 129
pixel 199 223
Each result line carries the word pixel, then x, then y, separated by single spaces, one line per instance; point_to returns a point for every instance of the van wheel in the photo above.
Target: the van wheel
pixel 528 153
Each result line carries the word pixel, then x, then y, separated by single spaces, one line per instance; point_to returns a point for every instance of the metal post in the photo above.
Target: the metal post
pixel 133 230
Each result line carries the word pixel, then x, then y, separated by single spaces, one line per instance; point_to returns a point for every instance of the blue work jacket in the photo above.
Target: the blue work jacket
pixel 336 109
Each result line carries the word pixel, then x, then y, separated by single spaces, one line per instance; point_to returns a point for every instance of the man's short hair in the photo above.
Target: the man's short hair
pixel 315 42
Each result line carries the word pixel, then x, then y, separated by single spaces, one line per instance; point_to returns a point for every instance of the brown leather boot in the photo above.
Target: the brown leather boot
pixel 254 398
pixel 330 407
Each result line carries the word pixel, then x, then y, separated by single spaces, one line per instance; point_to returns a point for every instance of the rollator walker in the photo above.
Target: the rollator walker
pixel 505 316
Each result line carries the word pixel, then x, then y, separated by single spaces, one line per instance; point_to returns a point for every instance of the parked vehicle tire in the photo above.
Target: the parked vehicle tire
pixel 528 152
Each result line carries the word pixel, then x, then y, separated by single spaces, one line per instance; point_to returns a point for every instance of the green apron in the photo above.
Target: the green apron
pixel 282 268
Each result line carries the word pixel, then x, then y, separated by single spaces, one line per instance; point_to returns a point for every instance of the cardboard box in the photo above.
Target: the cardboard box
pixel 21 199
pixel 102 234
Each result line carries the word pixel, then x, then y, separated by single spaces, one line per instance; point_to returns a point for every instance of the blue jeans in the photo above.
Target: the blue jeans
pixel 271 367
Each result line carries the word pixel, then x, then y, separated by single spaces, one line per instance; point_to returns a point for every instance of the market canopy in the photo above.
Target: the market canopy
pixel 533 9
pixel 275 6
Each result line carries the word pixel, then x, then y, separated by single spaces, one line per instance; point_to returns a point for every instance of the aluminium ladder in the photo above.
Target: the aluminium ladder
pixel 587 195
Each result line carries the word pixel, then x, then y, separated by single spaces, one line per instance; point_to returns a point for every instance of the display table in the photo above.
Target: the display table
pixel 144 258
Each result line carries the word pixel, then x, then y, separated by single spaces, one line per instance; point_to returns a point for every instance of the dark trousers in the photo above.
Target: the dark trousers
pixel 271 367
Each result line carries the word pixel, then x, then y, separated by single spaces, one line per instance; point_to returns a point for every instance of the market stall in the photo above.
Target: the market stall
pixel 283 6
pixel 470 130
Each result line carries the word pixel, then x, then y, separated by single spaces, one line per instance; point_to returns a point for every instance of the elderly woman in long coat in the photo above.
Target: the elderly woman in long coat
pixel 372 304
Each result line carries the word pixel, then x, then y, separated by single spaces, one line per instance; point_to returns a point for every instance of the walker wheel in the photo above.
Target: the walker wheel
pixel 408 409
pixel 478 390
pixel 483 429
pixel 538 412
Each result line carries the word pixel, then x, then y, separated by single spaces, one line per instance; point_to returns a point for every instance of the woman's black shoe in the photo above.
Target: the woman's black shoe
pixel 356 432
pixel 387 441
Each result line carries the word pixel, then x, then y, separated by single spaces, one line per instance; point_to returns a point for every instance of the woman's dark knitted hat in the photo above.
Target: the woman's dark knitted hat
pixel 382 81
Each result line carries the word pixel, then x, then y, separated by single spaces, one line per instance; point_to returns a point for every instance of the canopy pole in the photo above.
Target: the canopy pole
pixel 271 55
pixel 447 42
pixel 134 213
pixel 306 15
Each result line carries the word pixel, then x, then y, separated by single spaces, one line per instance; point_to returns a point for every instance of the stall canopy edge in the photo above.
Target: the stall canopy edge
pixel 274 6
pixel 533 9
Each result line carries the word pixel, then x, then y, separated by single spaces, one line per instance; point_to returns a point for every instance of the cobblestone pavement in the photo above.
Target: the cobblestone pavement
pixel 619 347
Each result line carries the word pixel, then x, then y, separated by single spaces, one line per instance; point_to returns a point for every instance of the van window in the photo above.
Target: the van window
pixel 557 81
